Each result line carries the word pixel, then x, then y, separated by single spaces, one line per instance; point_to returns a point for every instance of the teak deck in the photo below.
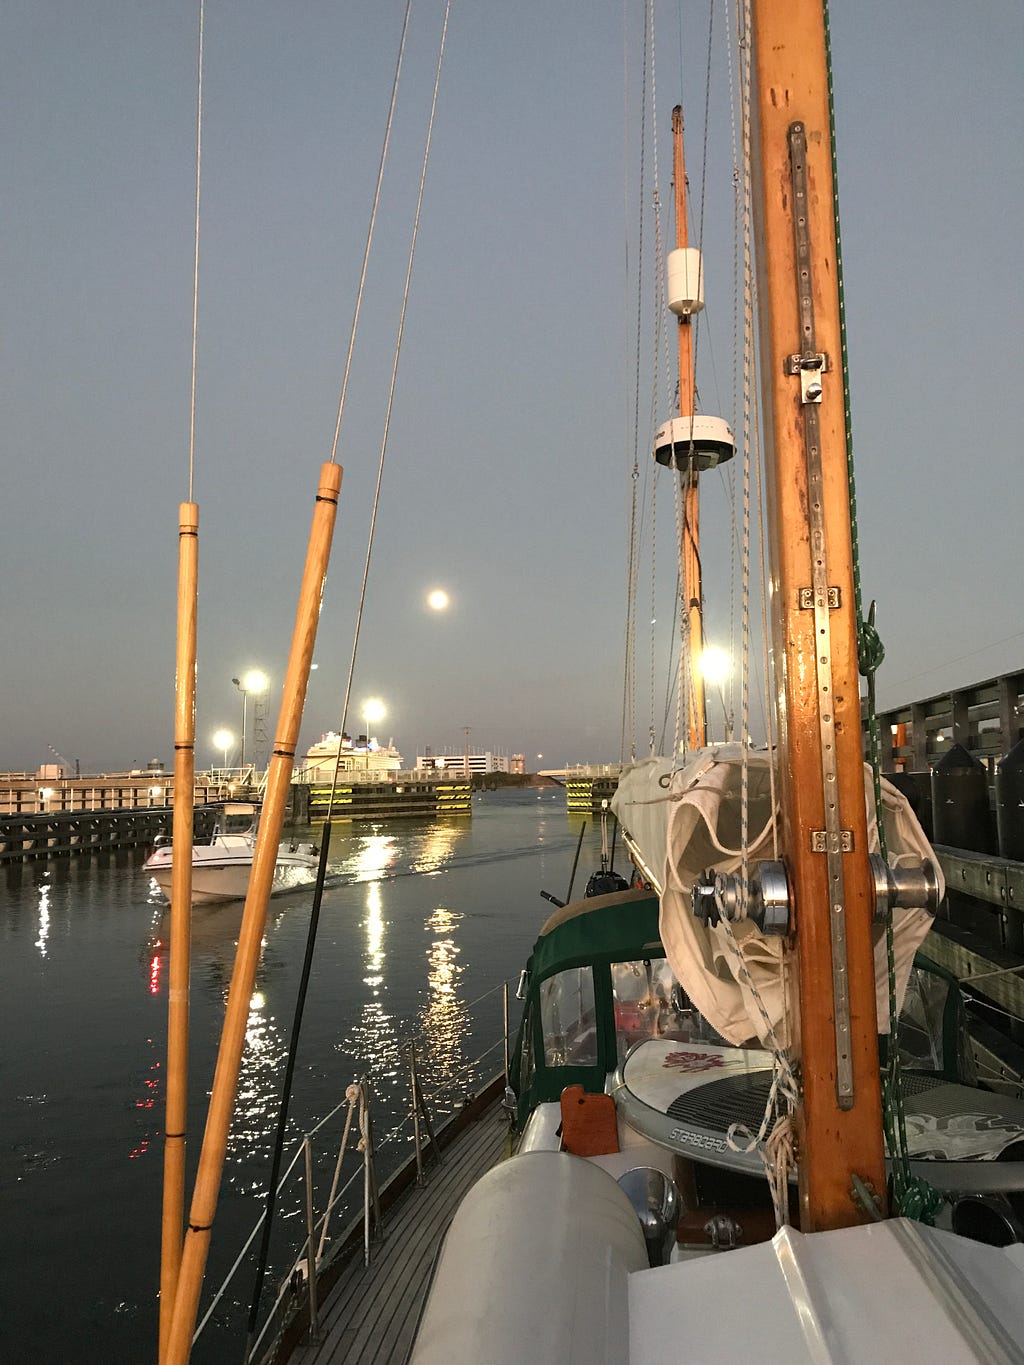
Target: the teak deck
pixel 371 1313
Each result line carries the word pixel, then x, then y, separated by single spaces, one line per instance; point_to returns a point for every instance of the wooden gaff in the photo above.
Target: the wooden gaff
pixel 837 1140
pixel 692 589
pixel 181 915
pixel 225 1081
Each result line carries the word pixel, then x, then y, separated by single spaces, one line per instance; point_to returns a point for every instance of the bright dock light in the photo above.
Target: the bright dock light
pixel 255 681
pixel 715 664
pixel 373 711
pixel 223 739
pixel 437 600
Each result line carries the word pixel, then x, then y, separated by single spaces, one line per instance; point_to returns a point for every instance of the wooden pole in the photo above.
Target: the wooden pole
pixel 693 606
pixel 181 916
pixel 225 1082
pixel 821 759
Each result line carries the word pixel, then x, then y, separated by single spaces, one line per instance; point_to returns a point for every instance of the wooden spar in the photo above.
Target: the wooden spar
pixel 820 753
pixel 694 604
pixel 181 916
pixel 225 1081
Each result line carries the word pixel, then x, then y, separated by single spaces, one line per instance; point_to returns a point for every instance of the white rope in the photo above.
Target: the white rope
pixel 660 337
pixel 775 1139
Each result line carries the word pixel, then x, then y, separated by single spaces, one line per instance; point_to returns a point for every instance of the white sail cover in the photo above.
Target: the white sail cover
pixel 681 821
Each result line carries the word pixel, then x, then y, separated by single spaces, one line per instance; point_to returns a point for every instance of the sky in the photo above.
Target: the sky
pixel 507 480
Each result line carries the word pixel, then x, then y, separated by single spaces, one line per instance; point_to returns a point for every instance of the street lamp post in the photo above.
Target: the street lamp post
pixel 255 682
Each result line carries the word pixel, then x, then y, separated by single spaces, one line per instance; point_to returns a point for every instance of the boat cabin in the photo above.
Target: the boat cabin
pixel 613 1062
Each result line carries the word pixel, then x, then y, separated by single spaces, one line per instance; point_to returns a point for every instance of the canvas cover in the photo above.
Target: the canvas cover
pixel 685 819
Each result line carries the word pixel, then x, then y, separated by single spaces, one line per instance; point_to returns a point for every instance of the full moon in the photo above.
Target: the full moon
pixel 437 600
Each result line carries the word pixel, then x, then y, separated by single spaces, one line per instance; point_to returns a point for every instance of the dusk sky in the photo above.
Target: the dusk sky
pixel 507 477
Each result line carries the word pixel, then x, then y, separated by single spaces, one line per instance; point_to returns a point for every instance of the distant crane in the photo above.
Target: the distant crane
pixel 65 764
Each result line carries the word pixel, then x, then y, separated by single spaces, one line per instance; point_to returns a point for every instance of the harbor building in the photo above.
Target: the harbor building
pixel 463 762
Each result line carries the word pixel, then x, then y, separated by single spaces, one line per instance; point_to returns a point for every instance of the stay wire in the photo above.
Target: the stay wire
pixel 195 256
pixel 325 843
pixel 370 231
pixel 629 665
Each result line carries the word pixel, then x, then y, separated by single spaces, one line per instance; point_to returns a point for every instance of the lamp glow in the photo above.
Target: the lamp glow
pixel 373 711
pixel 437 600
pixel 223 739
pixel 715 664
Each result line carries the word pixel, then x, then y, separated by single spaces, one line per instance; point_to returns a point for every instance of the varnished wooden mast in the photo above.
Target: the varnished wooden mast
pixel 181 916
pixel 225 1081
pixel 821 764
pixel 693 605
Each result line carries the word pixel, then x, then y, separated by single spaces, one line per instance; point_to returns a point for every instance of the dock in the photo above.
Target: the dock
pixel 588 787
pixel 379 796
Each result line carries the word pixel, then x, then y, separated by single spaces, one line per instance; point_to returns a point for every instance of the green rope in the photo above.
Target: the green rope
pixel 912 1197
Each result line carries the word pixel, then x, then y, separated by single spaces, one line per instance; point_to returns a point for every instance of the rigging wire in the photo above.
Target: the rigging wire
pixel 629 669
pixel 660 311
pixel 370 230
pixel 195 257
pixel 322 869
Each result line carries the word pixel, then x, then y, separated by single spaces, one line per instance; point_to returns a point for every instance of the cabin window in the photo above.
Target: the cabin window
pixel 568 1018
pixel 649 1004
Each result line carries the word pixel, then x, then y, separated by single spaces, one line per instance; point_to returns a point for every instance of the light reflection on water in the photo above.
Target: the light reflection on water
pixel 259 1094
pixel 374 923
pixel 44 918
pixel 444 1016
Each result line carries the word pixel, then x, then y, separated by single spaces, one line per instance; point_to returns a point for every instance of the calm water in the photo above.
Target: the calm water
pixel 423 920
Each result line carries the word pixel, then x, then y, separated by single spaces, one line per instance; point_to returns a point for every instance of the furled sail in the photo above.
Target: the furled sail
pixel 681 821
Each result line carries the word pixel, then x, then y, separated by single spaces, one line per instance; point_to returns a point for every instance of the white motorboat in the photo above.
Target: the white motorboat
pixel 221 868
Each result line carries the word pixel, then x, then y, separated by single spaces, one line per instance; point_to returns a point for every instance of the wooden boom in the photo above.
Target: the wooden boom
pixel 820 746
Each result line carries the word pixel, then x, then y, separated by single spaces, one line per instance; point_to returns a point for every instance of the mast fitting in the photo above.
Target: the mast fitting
pixel 810 368
pixel 833 599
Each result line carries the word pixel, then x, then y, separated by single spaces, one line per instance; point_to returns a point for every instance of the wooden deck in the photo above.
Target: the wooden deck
pixel 371 1314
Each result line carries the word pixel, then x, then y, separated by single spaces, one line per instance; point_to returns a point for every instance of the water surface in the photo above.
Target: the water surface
pixel 420 921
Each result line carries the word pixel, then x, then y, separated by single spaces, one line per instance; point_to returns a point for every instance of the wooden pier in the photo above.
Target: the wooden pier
pixel 979 932
pixel 56 834
pixel 587 788
pixel 399 796
pixel 986 718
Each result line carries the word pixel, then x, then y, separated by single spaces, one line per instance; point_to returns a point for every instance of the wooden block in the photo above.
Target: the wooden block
pixel 589 1125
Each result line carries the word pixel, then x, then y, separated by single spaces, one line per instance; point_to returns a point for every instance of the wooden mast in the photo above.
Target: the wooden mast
pixel 225 1081
pixel 181 916
pixel 820 745
pixel 694 604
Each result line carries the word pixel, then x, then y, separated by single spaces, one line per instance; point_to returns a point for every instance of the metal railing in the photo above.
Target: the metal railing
pixel 309 1257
